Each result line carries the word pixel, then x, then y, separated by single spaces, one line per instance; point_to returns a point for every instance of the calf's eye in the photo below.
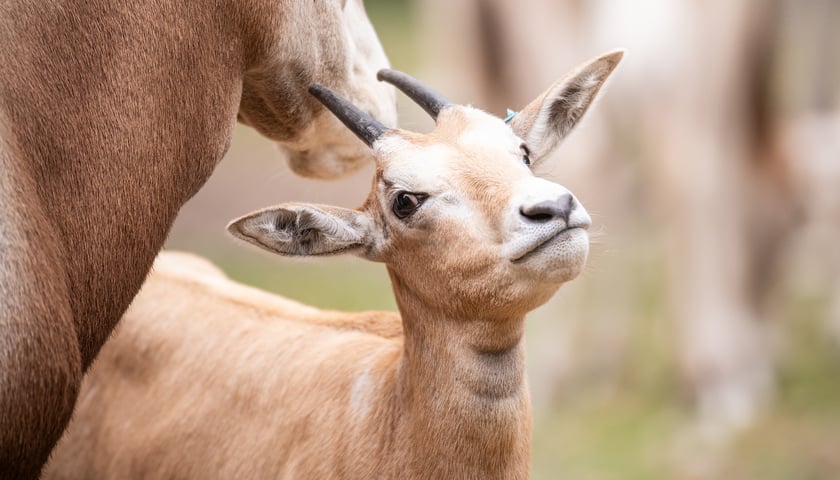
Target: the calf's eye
pixel 406 203
pixel 526 158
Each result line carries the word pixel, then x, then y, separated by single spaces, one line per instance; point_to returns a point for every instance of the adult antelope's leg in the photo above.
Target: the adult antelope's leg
pixel 40 366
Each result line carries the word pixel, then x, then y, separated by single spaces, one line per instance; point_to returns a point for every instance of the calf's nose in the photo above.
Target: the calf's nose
pixel 548 210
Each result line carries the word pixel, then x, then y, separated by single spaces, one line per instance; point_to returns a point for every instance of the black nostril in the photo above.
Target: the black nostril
pixel 549 209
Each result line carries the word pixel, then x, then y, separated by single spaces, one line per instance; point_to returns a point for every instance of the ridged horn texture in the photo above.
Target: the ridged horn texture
pixel 363 125
pixel 431 101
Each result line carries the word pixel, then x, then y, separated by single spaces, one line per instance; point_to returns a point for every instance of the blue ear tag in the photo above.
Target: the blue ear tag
pixel 510 115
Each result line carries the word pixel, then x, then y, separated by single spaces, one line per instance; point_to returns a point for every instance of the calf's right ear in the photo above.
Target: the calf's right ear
pixel 305 230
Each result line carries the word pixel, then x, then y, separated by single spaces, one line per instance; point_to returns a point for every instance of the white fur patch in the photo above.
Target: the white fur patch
pixel 360 395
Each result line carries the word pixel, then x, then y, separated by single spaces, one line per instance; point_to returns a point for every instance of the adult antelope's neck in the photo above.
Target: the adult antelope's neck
pixel 120 110
pixel 462 384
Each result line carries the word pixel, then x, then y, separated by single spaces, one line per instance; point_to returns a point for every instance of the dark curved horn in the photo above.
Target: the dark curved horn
pixel 363 125
pixel 431 101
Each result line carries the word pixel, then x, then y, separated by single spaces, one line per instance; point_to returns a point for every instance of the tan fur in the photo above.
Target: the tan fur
pixel 246 362
pixel 112 115
pixel 209 379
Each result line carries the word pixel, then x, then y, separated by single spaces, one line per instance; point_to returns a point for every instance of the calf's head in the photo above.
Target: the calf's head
pixel 456 214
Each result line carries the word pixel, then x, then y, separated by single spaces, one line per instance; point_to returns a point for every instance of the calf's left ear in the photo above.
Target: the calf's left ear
pixel 304 230
pixel 551 116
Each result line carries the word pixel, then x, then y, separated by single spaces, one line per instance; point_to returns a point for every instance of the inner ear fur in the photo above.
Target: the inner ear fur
pixel 545 121
pixel 304 230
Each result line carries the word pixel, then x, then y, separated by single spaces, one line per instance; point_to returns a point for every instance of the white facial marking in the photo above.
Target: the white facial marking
pixel 488 132
pixel 414 168
pixel 553 249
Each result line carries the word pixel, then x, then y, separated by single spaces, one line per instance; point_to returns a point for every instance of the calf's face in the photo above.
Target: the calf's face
pixel 457 214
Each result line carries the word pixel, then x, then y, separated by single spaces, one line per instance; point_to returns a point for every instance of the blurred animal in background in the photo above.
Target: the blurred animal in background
pixel 724 132
pixel 206 378
pixel 112 115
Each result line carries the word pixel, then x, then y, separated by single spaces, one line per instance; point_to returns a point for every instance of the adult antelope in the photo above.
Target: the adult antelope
pixel 112 115
pixel 206 378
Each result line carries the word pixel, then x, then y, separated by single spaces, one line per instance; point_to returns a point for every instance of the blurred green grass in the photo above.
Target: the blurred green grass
pixel 393 20
pixel 641 429
pixel 340 283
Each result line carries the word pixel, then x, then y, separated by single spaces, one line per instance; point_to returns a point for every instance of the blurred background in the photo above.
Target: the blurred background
pixel 703 340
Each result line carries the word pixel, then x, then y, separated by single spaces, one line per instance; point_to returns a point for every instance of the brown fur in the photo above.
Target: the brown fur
pixel 112 115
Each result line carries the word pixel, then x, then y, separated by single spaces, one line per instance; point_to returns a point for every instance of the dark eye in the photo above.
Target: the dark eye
pixel 526 159
pixel 407 203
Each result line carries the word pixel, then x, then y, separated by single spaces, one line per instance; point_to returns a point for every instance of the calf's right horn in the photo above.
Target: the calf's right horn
pixel 363 125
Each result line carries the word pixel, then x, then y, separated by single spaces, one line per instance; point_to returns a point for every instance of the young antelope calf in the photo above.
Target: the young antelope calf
pixel 206 378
